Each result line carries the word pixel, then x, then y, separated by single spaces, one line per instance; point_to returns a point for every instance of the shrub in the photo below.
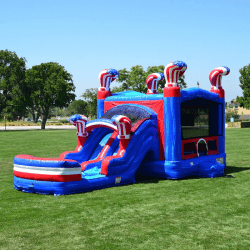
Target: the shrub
pixel 64 121
pixel 229 112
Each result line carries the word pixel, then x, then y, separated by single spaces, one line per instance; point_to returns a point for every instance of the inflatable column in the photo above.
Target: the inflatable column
pixel 106 76
pixel 80 122
pixel 215 78
pixel 152 82
pixel 172 110
pixel 123 124
pixel 124 128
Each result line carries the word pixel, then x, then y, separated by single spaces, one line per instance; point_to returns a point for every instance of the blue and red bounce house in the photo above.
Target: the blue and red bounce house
pixel 173 135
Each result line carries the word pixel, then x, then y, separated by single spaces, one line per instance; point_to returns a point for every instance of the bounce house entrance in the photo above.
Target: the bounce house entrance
pixel 202 148
pixel 201 125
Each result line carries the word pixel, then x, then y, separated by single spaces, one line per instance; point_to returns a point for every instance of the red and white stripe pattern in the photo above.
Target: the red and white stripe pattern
pixel 215 77
pixel 107 76
pixel 124 126
pixel 46 169
pixel 173 71
pixel 152 82
pixel 99 123
pixel 80 124
pixel 47 174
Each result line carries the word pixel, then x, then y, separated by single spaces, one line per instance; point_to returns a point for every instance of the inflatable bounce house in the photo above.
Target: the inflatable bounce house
pixel 173 135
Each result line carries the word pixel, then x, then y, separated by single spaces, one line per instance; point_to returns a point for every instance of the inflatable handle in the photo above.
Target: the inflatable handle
pixel 152 82
pixel 216 75
pixel 173 71
pixel 107 76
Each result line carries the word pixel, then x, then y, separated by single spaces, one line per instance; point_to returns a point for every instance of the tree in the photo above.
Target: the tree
pixel 12 115
pixel 12 81
pixel 90 96
pixel 135 79
pixel 77 107
pixel 35 112
pixel 244 100
pixel 49 85
pixel 231 113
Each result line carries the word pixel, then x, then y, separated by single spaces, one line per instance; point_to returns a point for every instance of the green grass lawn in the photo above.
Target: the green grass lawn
pixel 151 214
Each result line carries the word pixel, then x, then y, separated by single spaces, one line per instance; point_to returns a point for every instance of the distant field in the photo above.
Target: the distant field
pixel 191 132
pixel 23 123
pixel 151 214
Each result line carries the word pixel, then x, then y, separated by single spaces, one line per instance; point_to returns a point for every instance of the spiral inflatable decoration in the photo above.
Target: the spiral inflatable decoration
pixel 124 126
pixel 80 122
pixel 173 71
pixel 107 76
pixel 215 76
pixel 152 82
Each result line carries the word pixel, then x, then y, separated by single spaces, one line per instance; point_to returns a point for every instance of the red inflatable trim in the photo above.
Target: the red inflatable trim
pixel 138 124
pixel 195 140
pixel 106 161
pixel 101 125
pixel 171 92
pixel 43 177
pixel 220 92
pixel 62 155
pixel 154 92
pixel 101 95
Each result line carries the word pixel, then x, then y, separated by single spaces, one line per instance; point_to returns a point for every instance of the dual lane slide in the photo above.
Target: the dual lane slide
pixel 109 157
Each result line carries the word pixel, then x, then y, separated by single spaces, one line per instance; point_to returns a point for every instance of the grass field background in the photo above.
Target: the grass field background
pixel 192 213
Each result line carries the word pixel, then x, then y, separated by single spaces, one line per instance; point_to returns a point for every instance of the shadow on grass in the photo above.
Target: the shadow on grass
pixel 147 179
pixel 232 169
pixel 228 171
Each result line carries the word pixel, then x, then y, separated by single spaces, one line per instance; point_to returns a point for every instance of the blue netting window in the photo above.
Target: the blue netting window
pixel 134 113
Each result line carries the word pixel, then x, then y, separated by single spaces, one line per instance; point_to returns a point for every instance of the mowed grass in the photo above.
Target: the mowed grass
pixel 151 214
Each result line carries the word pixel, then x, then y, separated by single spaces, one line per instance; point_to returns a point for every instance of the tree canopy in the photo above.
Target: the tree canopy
pixel 49 85
pixel 77 107
pixel 135 79
pixel 231 113
pixel 244 100
pixel 12 82
pixel 90 96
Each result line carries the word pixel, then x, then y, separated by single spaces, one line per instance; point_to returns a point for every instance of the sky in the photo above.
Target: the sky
pixel 88 36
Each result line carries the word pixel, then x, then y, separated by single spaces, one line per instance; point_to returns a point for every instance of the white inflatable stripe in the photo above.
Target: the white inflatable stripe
pixel 124 136
pixel 102 123
pixel 46 170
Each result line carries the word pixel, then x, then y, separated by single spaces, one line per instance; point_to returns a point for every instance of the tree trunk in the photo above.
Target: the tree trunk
pixel 44 119
pixel 35 114
pixel 32 111
pixel 34 117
